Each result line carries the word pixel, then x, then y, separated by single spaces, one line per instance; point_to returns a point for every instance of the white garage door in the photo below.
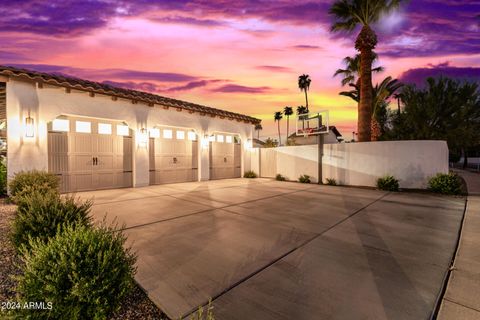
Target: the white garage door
pixel 225 157
pixel 90 154
pixel 173 156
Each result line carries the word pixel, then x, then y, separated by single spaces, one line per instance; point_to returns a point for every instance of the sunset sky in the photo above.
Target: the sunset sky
pixel 244 56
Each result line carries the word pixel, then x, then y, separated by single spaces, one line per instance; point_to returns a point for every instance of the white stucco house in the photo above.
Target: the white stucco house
pixel 96 136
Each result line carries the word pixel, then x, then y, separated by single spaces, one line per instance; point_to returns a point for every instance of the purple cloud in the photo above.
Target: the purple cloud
pixel 188 20
pixel 192 85
pixel 417 76
pixel 274 68
pixel 108 74
pixel 142 86
pixel 306 47
pixel 235 88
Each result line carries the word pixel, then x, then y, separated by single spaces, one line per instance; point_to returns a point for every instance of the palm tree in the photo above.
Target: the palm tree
pixel 352 69
pixel 288 111
pixel 258 127
pixel 278 116
pixel 349 14
pixel 381 93
pixel 301 110
pixel 304 84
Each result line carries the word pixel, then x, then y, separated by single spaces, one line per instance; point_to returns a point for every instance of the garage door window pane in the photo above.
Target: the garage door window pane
pixel 192 136
pixel 61 125
pixel 167 134
pixel 83 126
pixel 104 128
pixel 180 135
pixel 122 130
pixel 228 139
pixel 154 133
pixel 219 138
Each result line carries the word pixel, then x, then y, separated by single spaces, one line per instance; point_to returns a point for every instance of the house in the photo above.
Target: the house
pixel 257 143
pixel 333 136
pixel 97 136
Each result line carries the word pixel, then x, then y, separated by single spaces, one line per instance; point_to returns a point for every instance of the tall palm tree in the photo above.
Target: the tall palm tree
pixel 381 93
pixel 349 14
pixel 304 84
pixel 288 111
pixel 258 127
pixel 351 72
pixel 278 116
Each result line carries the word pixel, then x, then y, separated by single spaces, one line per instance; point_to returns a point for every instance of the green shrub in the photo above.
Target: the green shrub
pixel 250 174
pixel 331 182
pixel 83 272
pixel 40 215
pixel 3 177
pixel 304 178
pixel 279 177
pixel 387 183
pixel 25 182
pixel 445 183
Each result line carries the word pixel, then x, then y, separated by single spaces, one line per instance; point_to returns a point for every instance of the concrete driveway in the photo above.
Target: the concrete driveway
pixel 264 249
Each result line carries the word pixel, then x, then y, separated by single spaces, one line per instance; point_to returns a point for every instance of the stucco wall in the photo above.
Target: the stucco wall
pixel 360 164
pixel 45 104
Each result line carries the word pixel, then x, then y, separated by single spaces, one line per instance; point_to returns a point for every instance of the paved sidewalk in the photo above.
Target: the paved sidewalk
pixel 462 297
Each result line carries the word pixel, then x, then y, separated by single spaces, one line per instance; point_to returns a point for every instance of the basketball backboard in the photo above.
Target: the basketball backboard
pixel 312 123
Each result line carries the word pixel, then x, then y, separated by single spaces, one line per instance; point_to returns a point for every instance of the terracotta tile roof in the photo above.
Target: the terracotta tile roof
pixel 134 95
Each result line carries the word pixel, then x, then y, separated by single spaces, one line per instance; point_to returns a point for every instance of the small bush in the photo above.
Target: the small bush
pixel 279 177
pixel 27 181
pixel 3 177
pixel 445 183
pixel 250 174
pixel 387 183
pixel 331 182
pixel 304 178
pixel 40 215
pixel 83 272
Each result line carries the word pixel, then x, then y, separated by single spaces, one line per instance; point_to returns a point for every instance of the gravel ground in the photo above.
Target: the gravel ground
pixel 136 305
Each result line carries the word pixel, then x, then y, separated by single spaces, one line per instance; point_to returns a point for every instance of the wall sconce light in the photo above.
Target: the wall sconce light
pixel 29 127
pixel 143 138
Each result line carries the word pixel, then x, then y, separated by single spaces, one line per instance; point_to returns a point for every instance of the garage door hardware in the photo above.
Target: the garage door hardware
pixel 95 161
pixel 174 160
pixel 224 159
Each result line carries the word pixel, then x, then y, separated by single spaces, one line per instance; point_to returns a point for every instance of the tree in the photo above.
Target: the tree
pixel 381 94
pixel 352 70
pixel 301 110
pixel 277 117
pixel 258 127
pixel 348 15
pixel 304 84
pixel 445 110
pixel 288 111
pixel 270 143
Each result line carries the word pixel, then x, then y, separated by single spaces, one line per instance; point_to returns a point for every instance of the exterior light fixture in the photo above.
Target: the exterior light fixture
pixel 29 127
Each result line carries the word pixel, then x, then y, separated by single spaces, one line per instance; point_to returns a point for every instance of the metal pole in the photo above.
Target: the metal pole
pixel 320 158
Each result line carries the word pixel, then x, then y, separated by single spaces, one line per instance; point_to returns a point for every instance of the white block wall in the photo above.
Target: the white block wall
pixel 361 164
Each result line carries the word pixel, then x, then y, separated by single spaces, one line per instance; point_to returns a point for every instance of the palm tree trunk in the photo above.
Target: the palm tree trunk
pixel 258 134
pixel 365 43
pixel 288 124
pixel 279 137
pixel 376 131
pixel 306 99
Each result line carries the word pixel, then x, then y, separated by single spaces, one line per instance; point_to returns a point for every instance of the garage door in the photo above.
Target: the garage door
pixel 90 154
pixel 225 157
pixel 173 155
